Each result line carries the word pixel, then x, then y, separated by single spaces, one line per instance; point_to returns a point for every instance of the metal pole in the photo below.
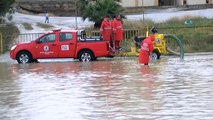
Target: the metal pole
pixel 143 14
pixel 142 9
pixel 76 15
pixel 1 40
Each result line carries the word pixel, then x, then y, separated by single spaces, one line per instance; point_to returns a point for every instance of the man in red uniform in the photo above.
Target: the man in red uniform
pixel 117 31
pixel 106 29
pixel 147 47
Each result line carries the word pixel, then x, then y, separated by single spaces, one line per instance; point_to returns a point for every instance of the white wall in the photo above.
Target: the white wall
pixel 150 2
pixel 195 2
pixel 179 2
pixel 128 3
pixel 138 3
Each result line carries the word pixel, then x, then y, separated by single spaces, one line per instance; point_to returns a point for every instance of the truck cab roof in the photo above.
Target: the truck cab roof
pixel 62 30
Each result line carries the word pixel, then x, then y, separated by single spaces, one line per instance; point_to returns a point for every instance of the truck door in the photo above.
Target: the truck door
pixel 67 45
pixel 46 46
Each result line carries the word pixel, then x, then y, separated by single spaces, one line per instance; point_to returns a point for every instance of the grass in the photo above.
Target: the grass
pixel 27 26
pixel 140 24
pixel 197 37
pixel 44 25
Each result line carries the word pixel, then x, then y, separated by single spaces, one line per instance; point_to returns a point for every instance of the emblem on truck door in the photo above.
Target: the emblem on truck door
pixel 65 47
pixel 46 48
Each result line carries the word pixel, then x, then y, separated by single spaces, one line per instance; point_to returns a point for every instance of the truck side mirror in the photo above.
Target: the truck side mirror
pixel 38 41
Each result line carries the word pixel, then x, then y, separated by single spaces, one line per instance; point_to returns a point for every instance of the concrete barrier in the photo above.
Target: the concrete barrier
pixel 57 7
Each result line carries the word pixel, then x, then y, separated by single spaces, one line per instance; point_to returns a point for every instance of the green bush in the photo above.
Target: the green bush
pixel 9 33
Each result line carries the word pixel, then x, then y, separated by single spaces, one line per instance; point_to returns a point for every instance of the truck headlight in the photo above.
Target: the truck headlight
pixel 14 46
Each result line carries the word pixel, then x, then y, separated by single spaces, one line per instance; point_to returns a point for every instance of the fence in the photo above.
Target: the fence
pixel 27 37
pixel 128 34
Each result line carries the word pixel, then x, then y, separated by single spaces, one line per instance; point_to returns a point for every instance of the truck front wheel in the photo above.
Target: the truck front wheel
pixel 24 57
pixel 86 55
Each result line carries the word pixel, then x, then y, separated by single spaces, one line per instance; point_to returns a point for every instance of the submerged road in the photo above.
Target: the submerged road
pixel 107 89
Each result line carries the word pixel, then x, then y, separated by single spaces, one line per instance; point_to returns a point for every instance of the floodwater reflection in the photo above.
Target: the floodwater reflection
pixel 118 89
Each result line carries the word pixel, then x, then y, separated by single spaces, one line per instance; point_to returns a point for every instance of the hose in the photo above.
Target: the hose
pixel 172 51
pixel 173 37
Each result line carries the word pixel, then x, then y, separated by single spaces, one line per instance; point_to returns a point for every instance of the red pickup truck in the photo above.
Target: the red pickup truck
pixel 61 44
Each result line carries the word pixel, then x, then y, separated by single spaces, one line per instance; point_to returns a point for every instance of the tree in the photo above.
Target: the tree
pixel 5 6
pixel 96 10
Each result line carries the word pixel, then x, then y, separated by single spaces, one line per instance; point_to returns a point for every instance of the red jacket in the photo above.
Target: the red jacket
pixel 117 30
pixel 147 47
pixel 106 29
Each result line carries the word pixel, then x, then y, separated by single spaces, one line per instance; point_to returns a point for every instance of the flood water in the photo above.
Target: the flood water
pixel 108 89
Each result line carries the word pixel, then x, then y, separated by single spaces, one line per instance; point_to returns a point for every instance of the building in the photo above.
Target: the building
pixel 139 3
